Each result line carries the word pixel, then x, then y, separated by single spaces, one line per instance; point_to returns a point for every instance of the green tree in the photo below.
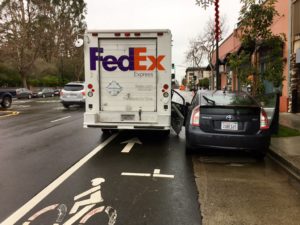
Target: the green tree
pixel 44 29
pixel 256 18
pixel 204 83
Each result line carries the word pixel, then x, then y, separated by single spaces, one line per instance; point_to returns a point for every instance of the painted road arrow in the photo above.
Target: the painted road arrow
pixel 130 143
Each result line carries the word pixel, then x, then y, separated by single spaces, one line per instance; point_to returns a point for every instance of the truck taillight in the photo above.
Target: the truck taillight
pixel 137 34
pixel 160 34
pixel 195 118
pixel 264 122
pixel 127 34
pixel 117 34
pixel 83 93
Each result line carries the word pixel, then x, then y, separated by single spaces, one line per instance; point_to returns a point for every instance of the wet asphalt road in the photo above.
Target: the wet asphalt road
pixel 45 140
pixel 35 151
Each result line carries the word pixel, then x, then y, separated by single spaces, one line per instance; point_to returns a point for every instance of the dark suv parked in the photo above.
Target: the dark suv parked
pixel 5 98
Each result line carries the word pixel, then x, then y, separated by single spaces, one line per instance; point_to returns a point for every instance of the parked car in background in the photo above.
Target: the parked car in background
pixel 226 120
pixel 57 92
pixel 46 92
pixel 73 93
pixel 23 93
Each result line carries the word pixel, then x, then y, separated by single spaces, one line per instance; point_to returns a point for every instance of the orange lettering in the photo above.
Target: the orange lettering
pixel 138 58
pixel 156 62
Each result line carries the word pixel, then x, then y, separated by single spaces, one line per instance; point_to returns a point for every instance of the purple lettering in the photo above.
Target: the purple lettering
pixel 108 62
pixel 130 60
pixel 111 63
pixel 95 56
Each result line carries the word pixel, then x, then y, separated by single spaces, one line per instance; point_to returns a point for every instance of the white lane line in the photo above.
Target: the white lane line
pixel 163 176
pixel 53 121
pixel 136 174
pixel 21 212
pixel 156 173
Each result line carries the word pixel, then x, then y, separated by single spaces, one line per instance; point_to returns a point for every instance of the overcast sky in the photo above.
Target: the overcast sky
pixel 183 17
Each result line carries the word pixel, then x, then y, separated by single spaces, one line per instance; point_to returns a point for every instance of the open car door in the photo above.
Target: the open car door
pixel 178 111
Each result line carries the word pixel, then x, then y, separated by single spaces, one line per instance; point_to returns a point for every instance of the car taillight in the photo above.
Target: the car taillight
pixel 264 122
pixel 195 119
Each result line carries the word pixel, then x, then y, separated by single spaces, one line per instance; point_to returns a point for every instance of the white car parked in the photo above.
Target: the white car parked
pixel 73 93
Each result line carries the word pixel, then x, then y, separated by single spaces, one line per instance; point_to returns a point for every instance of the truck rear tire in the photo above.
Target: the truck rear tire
pixel 6 102
pixel 106 131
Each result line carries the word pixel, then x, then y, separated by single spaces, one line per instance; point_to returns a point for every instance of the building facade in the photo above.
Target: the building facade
pixel 195 74
pixel 281 25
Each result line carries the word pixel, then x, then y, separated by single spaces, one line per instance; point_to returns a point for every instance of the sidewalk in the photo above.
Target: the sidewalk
pixel 286 151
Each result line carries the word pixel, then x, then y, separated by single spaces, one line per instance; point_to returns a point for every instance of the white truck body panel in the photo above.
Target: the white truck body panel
pixel 129 72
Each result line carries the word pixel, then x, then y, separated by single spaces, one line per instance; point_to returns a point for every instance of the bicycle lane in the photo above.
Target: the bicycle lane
pixel 151 184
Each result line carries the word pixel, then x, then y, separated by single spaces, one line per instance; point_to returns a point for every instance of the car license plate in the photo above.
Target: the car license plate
pixel 229 125
pixel 127 117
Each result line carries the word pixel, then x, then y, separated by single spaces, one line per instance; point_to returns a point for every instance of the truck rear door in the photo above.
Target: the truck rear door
pixel 128 87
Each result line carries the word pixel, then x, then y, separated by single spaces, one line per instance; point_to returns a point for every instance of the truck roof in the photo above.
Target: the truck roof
pixel 130 30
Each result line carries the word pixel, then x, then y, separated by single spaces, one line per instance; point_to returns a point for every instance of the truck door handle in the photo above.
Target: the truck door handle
pixel 140 114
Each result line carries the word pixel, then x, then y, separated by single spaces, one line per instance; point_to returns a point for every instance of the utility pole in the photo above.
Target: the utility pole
pixel 205 4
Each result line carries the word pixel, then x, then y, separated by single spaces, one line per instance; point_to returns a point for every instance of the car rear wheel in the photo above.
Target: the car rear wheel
pixel 165 133
pixel 188 149
pixel 6 102
pixel 260 155
pixel 66 106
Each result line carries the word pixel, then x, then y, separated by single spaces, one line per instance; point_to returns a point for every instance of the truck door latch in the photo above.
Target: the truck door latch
pixel 140 114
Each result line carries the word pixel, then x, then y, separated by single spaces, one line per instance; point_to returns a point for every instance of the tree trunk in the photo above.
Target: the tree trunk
pixel 24 80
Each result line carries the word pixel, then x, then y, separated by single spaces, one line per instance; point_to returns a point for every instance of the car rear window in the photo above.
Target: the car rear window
pixel 73 87
pixel 227 99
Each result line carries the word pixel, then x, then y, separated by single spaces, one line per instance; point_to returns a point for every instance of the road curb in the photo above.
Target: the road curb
pixel 287 165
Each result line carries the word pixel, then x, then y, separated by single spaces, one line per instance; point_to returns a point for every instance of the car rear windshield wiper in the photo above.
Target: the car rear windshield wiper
pixel 210 101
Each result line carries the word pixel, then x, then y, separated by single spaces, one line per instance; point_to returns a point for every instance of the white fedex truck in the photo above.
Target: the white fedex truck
pixel 128 79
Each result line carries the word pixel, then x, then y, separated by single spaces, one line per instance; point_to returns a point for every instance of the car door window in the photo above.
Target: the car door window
pixel 178 111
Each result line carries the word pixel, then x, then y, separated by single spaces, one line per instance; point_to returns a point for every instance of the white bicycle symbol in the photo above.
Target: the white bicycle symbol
pixel 85 213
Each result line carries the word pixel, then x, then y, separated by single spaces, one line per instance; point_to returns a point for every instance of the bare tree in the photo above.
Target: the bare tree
pixel 202 47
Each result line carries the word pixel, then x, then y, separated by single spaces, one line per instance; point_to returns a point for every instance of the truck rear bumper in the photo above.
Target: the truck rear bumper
pixel 162 122
pixel 128 127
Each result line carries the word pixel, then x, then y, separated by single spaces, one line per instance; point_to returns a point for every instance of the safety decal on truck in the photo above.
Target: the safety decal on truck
pixel 131 62
pixel 114 88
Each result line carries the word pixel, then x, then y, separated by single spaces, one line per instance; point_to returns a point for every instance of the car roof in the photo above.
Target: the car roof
pixel 75 83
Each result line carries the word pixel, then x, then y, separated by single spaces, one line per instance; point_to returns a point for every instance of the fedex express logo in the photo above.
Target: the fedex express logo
pixel 135 61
